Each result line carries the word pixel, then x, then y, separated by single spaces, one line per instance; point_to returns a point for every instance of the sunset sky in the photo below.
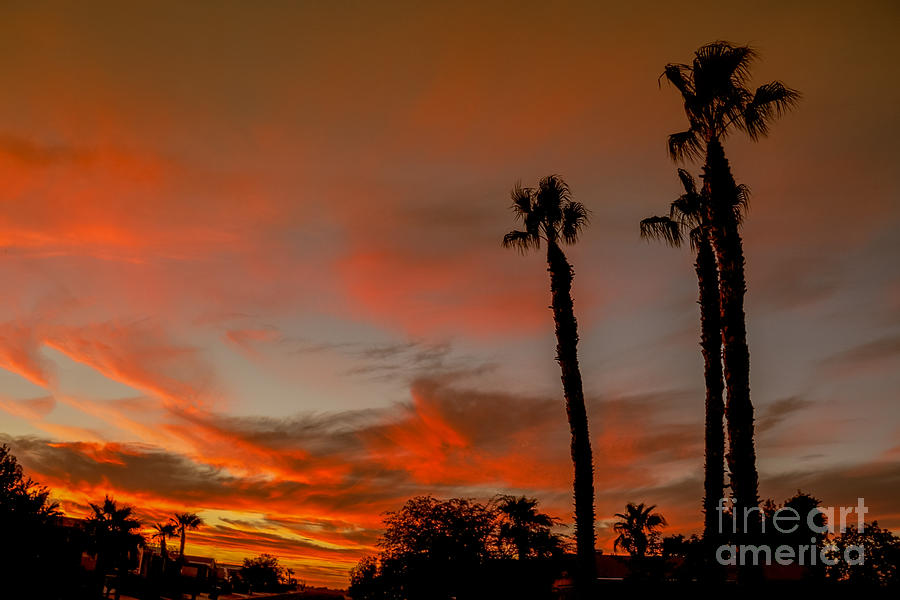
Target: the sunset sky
pixel 250 260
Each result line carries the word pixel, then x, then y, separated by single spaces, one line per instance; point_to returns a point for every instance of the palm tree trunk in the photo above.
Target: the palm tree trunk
pixel 711 348
pixel 181 550
pixel 164 552
pixel 120 574
pixel 100 573
pixel 522 550
pixel 567 355
pixel 720 184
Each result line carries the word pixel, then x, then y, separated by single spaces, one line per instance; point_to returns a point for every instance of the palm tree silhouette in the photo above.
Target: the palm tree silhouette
pixel 637 527
pixel 114 533
pixel 161 532
pixel 549 214
pixel 526 528
pixel 687 218
pixel 717 101
pixel 182 522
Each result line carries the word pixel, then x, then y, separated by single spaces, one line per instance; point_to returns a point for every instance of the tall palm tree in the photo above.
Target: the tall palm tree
pixel 114 533
pixel 182 522
pixel 718 101
pixel 162 532
pixel 687 218
pixel 526 528
pixel 637 527
pixel 549 215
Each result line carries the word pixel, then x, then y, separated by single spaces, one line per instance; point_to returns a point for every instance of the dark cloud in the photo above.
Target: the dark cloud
pixel 878 482
pixel 32 408
pixel 447 439
pixel 771 415
pixel 409 359
pixel 131 467
pixel 41 155
pixel 874 356
pixel 403 360
pixel 239 534
pixel 793 282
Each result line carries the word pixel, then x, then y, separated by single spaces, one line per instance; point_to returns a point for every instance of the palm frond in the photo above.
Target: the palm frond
pixel 656 520
pixel 739 59
pixel 189 520
pixel 574 217
pixel 718 98
pixel 686 209
pixel 741 201
pixel 167 528
pixel 684 145
pixel 557 186
pixel 680 77
pixel 521 200
pixel 729 110
pixel 552 194
pixel 533 222
pixel 522 241
pixel 661 228
pixel 547 212
pixel 525 208
pixel 722 64
pixel 687 181
pixel 770 101
pixel 697 236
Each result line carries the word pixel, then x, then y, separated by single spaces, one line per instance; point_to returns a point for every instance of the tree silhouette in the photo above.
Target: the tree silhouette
pixel 114 534
pixel 881 559
pixel 262 573
pixel 687 218
pixel 549 214
pixel 435 549
pixel 638 528
pixel 21 496
pixel 717 101
pixel 454 530
pixel 182 522
pixel 162 532
pixel 26 523
pixel 366 581
pixel 525 528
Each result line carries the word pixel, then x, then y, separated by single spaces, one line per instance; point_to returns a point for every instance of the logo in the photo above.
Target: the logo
pixel 788 523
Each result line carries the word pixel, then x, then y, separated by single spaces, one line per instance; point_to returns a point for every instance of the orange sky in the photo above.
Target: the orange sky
pixel 251 260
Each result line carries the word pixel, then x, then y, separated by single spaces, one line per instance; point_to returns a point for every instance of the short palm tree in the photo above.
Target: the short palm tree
pixel 182 522
pixel 550 216
pixel 638 528
pixel 162 532
pixel 114 533
pixel 718 101
pixel 686 218
pixel 525 528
